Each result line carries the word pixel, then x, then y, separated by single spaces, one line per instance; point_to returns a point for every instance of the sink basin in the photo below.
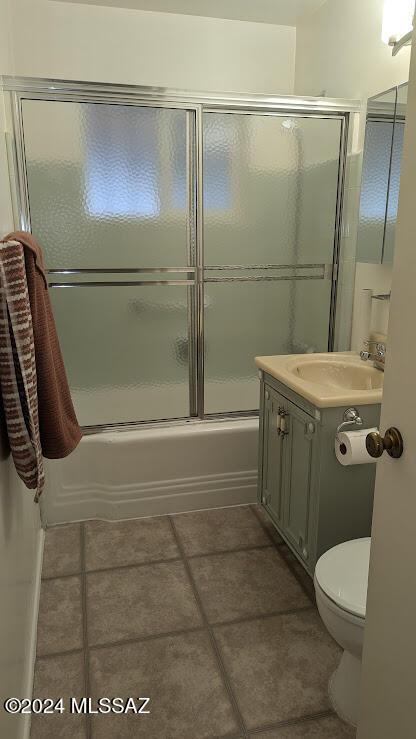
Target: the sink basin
pixel 327 380
pixel 342 375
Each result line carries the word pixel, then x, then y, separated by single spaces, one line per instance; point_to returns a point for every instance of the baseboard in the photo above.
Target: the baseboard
pixel 34 611
pixel 114 502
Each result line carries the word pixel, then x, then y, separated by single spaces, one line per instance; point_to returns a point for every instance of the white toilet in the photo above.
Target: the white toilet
pixel 341 577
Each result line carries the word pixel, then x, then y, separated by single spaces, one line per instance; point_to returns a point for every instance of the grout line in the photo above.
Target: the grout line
pixel 159 561
pixel 149 637
pixel 59 654
pixel 292 722
pixel 229 551
pixel 271 614
pixel 133 565
pixel 115 567
pixel 156 562
pixel 180 632
pixel 215 647
pixel 85 628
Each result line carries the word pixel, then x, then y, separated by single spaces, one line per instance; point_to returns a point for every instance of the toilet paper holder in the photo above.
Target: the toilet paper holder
pixel 351 418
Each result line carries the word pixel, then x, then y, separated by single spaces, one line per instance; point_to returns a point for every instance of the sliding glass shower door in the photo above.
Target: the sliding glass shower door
pixel 270 209
pixel 110 191
pixel 181 241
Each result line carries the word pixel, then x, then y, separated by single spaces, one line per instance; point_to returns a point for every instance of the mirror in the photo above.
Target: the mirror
pixel 383 147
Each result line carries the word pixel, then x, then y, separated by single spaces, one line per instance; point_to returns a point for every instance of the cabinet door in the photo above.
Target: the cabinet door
pixel 272 479
pixel 299 463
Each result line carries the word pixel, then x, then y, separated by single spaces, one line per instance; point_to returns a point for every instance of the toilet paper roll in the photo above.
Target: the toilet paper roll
pixel 350 447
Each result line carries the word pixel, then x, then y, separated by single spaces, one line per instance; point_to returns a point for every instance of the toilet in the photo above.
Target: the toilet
pixel 341 578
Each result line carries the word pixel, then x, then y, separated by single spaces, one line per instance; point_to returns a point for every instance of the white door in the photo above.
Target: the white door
pixel 388 706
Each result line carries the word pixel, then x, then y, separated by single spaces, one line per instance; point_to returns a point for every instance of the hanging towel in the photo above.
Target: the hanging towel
pixel 58 426
pixel 18 368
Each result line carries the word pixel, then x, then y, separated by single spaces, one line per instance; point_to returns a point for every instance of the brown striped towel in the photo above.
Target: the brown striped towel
pixel 59 429
pixel 18 368
pixel 40 417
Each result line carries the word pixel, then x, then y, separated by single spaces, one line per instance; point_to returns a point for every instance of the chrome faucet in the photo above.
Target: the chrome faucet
pixel 378 356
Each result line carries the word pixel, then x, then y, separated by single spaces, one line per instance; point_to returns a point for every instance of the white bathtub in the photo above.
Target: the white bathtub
pixel 148 472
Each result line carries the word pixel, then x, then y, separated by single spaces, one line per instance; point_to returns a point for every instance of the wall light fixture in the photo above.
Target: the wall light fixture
pixel 398 17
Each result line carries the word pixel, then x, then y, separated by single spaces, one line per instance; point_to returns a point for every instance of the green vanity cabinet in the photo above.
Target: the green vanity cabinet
pixel 301 450
pixel 313 501
pixel 272 455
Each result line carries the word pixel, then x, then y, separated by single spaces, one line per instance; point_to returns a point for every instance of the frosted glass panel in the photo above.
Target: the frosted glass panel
pixel 107 184
pixel 247 319
pixel 270 188
pixel 374 189
pixel 394 188
pixel 125 351
pixel 109 187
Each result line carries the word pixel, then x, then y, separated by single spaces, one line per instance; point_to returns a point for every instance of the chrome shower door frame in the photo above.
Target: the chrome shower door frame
pixel 349 112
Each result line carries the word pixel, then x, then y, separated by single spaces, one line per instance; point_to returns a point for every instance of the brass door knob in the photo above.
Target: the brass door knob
pixel 392 443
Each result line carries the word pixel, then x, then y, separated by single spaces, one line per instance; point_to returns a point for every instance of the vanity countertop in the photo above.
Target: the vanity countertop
pixel 327 380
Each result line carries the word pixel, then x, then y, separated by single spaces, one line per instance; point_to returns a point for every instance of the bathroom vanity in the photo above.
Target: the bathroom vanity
pixel 313 500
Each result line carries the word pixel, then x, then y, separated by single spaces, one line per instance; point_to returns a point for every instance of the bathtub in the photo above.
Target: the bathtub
pixel 153 471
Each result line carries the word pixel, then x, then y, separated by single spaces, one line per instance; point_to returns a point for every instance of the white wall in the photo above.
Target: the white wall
pixel 20 537
pixel 85 42
pixel 340 52
pixel 20 551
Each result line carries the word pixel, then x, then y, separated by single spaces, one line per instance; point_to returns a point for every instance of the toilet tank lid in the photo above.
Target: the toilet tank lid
pixel 342 573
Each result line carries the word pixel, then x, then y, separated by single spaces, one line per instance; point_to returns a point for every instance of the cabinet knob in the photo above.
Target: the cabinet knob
pixel 267 394
pixel 305 553
pixel 280 422
pixel 392 442
pixel 283 425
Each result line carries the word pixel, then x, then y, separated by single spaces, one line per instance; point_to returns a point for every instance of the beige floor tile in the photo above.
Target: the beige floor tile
pixel 180 676
pixel 329 727
pixel 221 529
pixel 60 616
pixel 56 677
pixel 113 544
pixel 139 601
pixel 248 583
pixel 279 666
pixel 62 552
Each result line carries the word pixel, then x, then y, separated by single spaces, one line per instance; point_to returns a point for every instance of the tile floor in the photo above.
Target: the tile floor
pixel 206 613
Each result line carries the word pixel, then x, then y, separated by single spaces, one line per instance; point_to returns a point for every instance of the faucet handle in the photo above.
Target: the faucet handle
pixel 377 355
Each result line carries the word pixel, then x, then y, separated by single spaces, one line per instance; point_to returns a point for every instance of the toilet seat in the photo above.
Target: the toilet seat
pixel 342 575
